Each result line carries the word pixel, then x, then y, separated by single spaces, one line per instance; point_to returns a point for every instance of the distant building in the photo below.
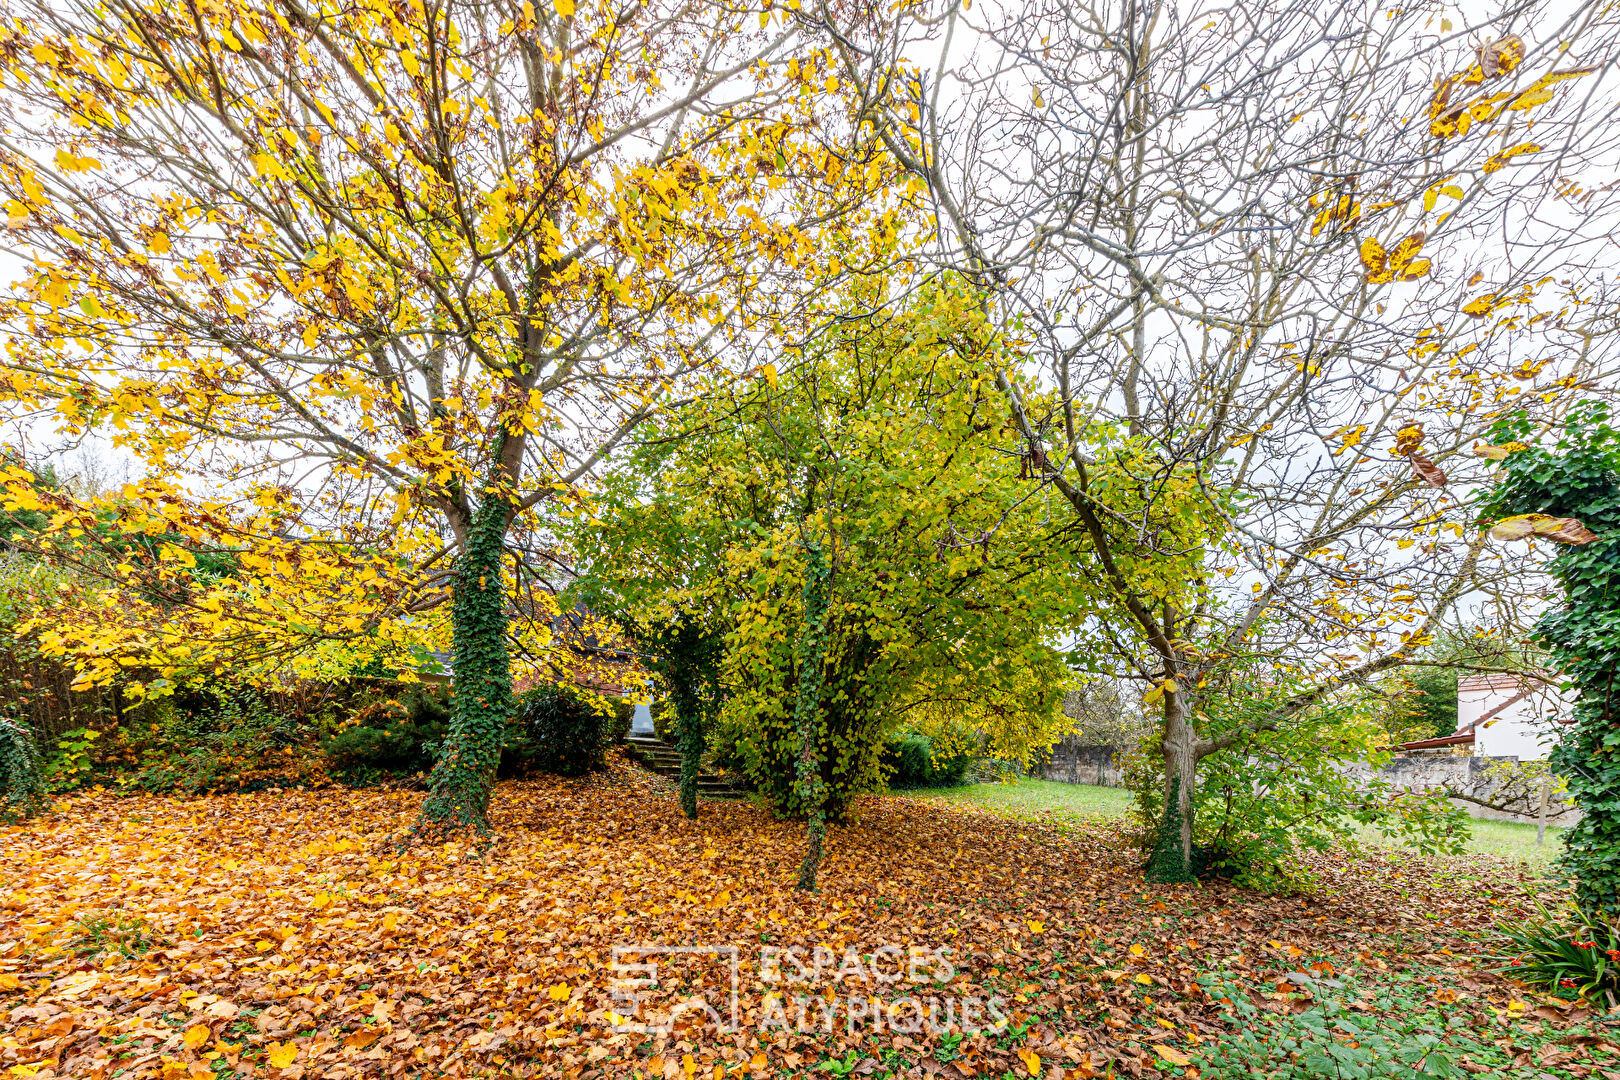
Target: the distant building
pixel 1511 715
pixel 1503 715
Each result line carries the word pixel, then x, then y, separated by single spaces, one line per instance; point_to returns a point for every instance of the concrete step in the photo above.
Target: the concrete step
pixel 659 757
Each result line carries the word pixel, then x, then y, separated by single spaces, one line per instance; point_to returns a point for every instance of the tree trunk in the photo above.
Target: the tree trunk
pixel 688 736
pixel 481 699
pixel 807 713
pixel 1171 861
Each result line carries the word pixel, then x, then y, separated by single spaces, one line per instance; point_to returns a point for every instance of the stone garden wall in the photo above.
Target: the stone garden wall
pixel 1072 763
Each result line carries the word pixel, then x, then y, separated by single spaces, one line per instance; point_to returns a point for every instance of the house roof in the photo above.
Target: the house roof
pixel 1464 739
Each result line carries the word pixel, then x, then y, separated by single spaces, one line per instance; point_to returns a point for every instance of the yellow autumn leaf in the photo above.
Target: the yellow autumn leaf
pixel 1031 1060
pixel 281 1054
pixel 1375 259
pixel 1413 270
pixel 565 8
pixel 1501 158
pixel 559 992
pixel 1145 979
pixel 196 1035
pixel 1138 952
pixel 1172 1055
pixel 1036 926
pixel 769 372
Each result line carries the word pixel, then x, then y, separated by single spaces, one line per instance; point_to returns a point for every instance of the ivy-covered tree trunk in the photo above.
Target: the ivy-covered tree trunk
pixel 688 732
pixel 1171 859
pixel 807 712
pixel 481 699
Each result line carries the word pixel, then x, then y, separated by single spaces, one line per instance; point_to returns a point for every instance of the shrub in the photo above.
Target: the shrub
pixel 70 765
pixel 220 740
pixel 1577 955
pixel 556 731
pixel 401 747
pixel 391 737
pixel 22 783
pixel 619 724
pixel 663 718
pixel 912 761
pixel 731 745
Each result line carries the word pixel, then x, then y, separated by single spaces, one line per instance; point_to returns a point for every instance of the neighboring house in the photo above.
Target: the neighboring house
pixel 1503 715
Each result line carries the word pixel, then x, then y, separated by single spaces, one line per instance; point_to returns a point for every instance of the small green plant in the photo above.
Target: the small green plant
pixel 949 1048
pixel 915 761
pixel 843 1067
pixel 1577 955
pixel 127 936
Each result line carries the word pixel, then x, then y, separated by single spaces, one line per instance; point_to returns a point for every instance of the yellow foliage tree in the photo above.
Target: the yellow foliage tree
pixel 365 285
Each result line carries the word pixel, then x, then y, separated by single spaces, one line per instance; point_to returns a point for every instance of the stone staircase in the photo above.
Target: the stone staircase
pixel 656 754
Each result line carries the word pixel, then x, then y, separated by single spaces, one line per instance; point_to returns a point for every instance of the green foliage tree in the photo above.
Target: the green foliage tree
pixel 879 441
pixel 1280 790
pixel 1579 478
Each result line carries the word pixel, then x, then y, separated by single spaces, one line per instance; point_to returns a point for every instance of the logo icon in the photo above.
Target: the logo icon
pixel 636 971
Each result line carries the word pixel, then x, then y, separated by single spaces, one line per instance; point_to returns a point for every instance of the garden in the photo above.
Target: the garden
pixel 568 539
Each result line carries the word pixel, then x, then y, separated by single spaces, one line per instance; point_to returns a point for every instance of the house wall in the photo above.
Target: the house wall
pixel 1525 729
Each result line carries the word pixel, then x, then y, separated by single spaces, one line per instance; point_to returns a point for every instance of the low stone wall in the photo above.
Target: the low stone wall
pixel 1071 763
pixel 1467 774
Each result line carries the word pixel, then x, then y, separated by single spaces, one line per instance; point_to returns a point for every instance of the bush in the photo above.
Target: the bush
pixel 556 731
pixel 910 761
pixel 391 737
pixel 69 766
pixel 624 713
pixel 22 784
pixel 1574 956
pixel 663 718
pixel 401 747
pixel 224 740
pixel 729 747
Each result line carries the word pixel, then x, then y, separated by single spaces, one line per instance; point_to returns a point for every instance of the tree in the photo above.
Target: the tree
pixel 1569 493
pixel 384 280
pixel 876 446
pixel 1259 253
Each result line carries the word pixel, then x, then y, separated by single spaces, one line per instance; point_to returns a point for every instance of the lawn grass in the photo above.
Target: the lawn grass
pixel 1023 798
pixel 1085 802
pixel 1504 839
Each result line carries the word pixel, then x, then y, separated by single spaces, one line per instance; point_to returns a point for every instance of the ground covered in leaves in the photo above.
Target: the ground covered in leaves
pixel 281 934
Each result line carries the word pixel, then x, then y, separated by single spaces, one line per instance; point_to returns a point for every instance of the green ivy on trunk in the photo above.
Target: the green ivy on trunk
pixel 22 780
pixel 807 709
pixel 464 774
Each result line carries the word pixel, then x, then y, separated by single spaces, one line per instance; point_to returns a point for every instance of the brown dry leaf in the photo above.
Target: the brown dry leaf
pixel 1427 470
pixel 1570 531
pixel 1564 530
pixel 1501 56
